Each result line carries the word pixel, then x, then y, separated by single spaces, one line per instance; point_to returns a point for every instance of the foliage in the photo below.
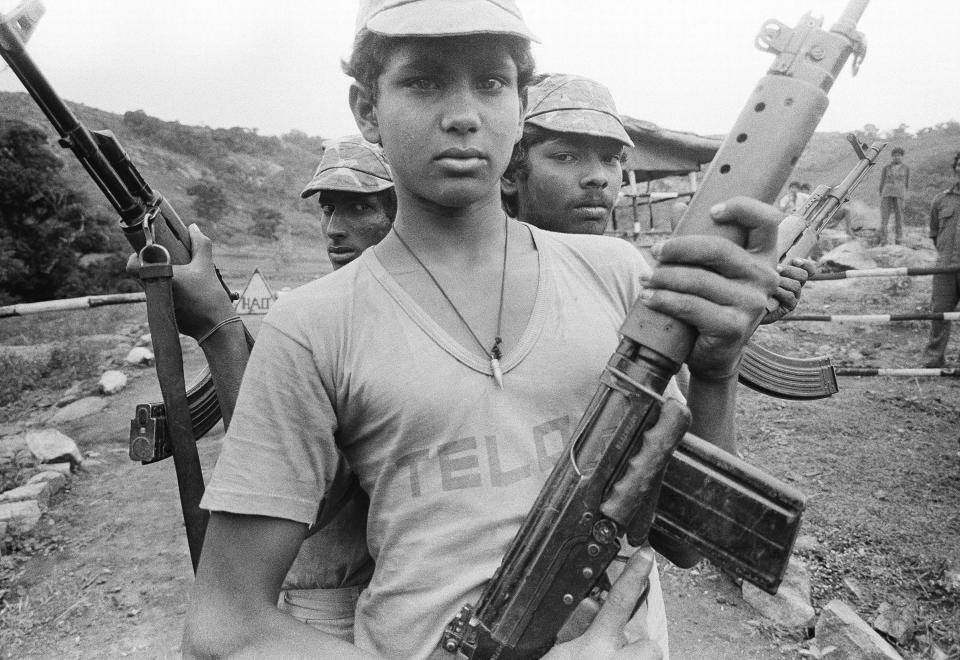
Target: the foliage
pixel 266 220
pixel 209 201
pixel 45 226
pixel 304 141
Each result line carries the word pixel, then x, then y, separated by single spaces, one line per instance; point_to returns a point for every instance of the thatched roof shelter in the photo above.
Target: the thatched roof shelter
pixel 660 152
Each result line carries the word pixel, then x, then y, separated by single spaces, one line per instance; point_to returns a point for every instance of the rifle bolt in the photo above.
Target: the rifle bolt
pixel 587 573
pixel 593 549
pixel 568 599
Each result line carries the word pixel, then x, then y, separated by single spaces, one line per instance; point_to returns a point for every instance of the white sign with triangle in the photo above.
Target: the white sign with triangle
pixel 256 297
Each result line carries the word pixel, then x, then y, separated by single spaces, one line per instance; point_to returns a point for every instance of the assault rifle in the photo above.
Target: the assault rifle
pixel 731 512
pixel 155 231
pixel 814 377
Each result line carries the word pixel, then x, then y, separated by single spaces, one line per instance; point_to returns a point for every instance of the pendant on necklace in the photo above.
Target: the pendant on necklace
pixel 495 362
pixel 497 373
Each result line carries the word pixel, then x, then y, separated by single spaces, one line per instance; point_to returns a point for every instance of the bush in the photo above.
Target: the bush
pixel 209 202
pixel 266 221
pixel 44 225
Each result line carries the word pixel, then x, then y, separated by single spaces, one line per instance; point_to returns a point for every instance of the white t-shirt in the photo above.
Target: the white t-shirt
pixel 451 462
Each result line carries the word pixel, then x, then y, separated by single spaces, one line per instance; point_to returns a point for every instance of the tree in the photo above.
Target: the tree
pixel 266 220
pixel 44 225
pixel 209 202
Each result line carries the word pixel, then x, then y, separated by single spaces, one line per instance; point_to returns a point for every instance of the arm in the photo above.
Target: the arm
pixel 233 610
pixel 200 306
pixel 883 177
pixel 906 183
pixel 935 219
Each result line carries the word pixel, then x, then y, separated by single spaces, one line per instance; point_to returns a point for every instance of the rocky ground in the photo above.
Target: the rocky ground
pixel 105 572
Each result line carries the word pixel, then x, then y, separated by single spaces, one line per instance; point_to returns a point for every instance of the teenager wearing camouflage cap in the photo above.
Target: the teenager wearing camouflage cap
pixel 442 361
pixel 566 170
pixel 356 195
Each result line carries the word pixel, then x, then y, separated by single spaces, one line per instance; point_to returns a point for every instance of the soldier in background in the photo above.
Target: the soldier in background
pixel 944 217
pixel 894 183
pixel 356 195
pixel 565 172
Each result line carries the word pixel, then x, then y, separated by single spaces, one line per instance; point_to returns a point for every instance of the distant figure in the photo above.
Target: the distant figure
pixel 788 202
pixel 944 217
pixel 894 183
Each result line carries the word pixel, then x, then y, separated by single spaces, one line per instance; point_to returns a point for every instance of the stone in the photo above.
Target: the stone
pixel 848 256
pixel 73 393
pixel 145 340
pixel 896 623
pixel 21 517
pixel 112 381
pixel 39 492
pixel 51 446
pixel 140 356
pixel 790 606
pixel 839 626
pixel 55 480
pixel 807 543
pixel 64 469
pixel 24 458
pixel 855 587
pixel 10 445
pixel 88 405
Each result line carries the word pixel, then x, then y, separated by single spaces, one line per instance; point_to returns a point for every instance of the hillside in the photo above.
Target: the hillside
pixel 259 171
pixel 252 171
pixel 828 158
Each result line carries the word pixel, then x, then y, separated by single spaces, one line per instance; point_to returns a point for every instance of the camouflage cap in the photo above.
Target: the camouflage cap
pixel 441 18
pixel 351 164
pixel 573 104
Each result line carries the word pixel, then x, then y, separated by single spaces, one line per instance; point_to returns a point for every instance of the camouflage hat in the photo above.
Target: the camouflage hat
pixel 440 18
pixel 573 104
pixel 351 164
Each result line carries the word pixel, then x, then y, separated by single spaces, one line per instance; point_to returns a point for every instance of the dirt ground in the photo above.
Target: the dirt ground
pixel 109 573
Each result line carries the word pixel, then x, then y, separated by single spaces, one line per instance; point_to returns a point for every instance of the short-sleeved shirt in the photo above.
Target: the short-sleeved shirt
pixel 451 462
pixel 896 177
pixel 944 221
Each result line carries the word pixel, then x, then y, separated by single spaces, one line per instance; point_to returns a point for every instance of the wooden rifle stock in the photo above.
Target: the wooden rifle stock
pixel 562 548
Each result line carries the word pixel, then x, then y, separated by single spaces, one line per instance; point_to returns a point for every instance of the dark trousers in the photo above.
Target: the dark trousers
pixel 890 205
pixel 944 298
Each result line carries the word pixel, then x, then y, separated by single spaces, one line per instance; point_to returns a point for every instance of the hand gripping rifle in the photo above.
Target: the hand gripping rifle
pixel 805 378
pixel 155 231
pixel 731 512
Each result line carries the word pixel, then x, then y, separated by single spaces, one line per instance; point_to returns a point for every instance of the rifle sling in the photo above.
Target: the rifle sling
pixel 157 281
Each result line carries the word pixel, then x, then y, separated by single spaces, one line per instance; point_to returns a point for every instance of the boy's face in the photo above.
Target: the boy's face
pixel 447 114
pixel 571 183
pixel 351 222
pixel 897 157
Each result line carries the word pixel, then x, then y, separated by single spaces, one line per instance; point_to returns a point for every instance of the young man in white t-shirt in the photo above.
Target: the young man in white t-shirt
pixel 442 362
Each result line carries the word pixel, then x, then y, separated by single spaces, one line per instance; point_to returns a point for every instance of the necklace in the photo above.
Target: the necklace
pixel 494 353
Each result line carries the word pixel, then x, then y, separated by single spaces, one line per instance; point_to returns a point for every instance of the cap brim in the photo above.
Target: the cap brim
pixel 328 180
pixel 601 125
pixel 441 18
